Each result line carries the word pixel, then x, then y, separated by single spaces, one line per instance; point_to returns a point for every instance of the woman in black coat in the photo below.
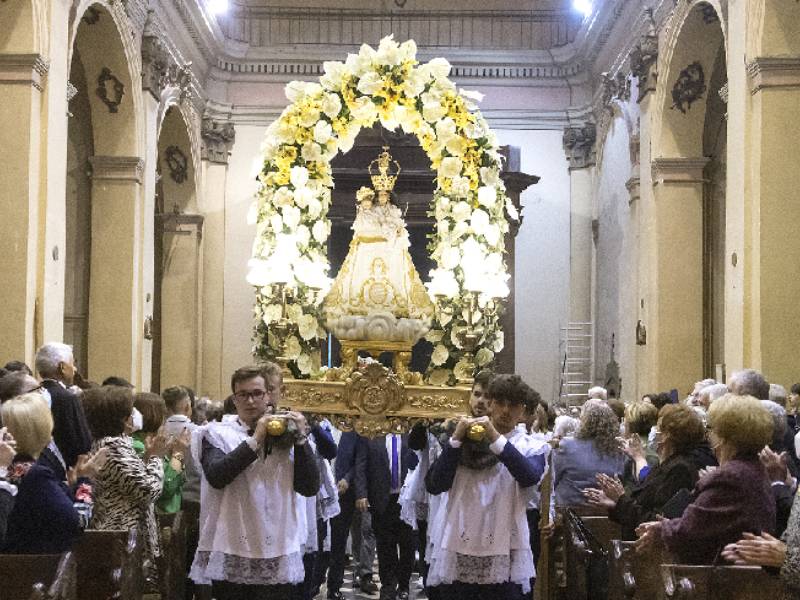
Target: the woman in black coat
pixel 679 432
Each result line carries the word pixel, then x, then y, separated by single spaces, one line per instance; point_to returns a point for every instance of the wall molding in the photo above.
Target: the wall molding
pixel 773 72
pixel 24 69
pixel 678 170
pixel 117 168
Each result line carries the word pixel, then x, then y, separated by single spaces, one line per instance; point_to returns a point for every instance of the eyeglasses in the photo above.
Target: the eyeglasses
pixel 255 395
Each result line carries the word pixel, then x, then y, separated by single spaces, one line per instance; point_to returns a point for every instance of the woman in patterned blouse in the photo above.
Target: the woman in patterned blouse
pixel 128 486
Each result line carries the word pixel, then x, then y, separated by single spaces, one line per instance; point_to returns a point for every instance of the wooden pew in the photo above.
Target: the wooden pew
pixel 172 566
pixel 110 565
pixel 38 577
pixel 634 576
pixel 587 536
pixel 690 582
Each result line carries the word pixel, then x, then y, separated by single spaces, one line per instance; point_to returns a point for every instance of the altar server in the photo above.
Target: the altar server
pixel 483 549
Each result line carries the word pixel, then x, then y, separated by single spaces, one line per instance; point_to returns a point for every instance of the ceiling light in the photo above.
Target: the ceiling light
pixel 583 6
pixel 218 6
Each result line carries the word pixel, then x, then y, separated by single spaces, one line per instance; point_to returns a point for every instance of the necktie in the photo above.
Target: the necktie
pixel 395 465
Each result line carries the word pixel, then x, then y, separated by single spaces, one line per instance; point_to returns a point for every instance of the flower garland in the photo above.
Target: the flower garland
pixel 290 211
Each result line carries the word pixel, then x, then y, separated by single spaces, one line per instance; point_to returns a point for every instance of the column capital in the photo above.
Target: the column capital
pixel 155 63
pixel 579 145
pixel 644 55
pixel 678 170
pixel 773 72
pixel 218 137
pixel 25 69
pixel 117 168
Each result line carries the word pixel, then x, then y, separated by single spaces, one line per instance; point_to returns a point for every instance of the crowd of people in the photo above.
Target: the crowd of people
pixel 272 496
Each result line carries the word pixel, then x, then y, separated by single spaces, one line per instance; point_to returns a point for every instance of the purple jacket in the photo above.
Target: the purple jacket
pixel 734 499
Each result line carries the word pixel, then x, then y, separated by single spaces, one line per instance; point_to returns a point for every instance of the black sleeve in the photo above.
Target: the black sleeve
pixel 6 505
pixel 360 471
pixel 783 507
pixel 418 437
pixel 221 468
pixel 443 471
pixel 306 473
pixel 630 513
pixel 324 440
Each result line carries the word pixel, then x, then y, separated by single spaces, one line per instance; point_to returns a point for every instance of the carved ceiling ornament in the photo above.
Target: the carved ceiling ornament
pixel 91 16
pixel 155 63
pixel 180 76
pixel 110 89
pixel 689 87
pixel 177 163
pixel 579 145
pixel 218 137
pixel 644 55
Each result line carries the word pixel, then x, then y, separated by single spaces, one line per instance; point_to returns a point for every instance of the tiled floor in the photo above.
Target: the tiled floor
pixel 356 594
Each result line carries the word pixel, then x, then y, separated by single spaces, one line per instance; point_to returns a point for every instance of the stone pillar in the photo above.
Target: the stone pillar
pixel 116 320
pixel 22 79
pixel 772 287
pixel 180 300
pixel 218 138
pixel 675 334
pixel 579 145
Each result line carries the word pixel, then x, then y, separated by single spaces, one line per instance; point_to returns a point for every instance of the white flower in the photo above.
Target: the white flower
pixel 286 251
pixel 347 139
pixel 272 312
pixel 498 342
pixel 314 208
pixel 291 217
pixel 414 85
pixel 303 196
pixel 443 282
pixel 489 175
pixel 440 355
pixel 439 68
pixel 408 50
pixel 451 256
pixel 307 327
pixel 297 90
pixel 463 369
pixel 335 74
pixel 276 223
pixel 434 335
pixel 309 118
pixel 479 221
pixel 293 348
pixel 492 234
pixel 512 210
pixel 298 176
pixel 461 211
pixel 294 312
pixel 473 253
pixel 460 187
pixel 303 235
pixel 364 111
pixel 311 152
pixel 320 231
pixel 445 130
pixel 439 377
pixel 388 52
pixel 331 105
pixel 370 83
pixel 282 196
pixel 487 195
pixel 258 272
pixel 304 364
pixel 461 228
pixel 322 132
pixel 450 167
pixel 252 213
pixel 433 111
pixel 483 357
pixel 456 145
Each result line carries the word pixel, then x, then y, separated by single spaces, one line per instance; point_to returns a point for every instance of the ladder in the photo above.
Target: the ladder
pixel 576 371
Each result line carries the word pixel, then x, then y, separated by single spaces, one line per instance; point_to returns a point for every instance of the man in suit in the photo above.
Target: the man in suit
pixel 381 467
pixel 56 366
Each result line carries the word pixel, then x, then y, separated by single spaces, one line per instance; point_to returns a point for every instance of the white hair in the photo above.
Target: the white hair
pixel 718 390
pixel 50 356
pixel 777 393
pixel 565 426
pixel 778 420
pixel 598 393
pixel 701 385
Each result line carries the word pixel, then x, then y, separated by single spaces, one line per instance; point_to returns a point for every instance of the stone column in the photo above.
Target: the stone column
pixel 22 79
pixel 772 287
pixel 675 334
pixel 218 138
pixel 116 320
pixel 180 299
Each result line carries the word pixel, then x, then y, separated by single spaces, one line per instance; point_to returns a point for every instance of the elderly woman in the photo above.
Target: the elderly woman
pixel 734 499
pixel 678 432
pixel 593 450
pixel 127 486
pixel 44 519
pixel 640 418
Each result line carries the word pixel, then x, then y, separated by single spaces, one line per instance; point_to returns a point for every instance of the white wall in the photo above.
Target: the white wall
pixel 542 258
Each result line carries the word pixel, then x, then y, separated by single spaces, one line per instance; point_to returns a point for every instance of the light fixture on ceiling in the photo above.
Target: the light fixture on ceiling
pixel 583 6
pixel 218 7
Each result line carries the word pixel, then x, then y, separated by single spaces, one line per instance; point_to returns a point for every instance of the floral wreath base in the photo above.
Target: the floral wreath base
pixel 469 204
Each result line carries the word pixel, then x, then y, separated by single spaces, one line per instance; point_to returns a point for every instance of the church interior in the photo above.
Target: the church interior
pixel 377 203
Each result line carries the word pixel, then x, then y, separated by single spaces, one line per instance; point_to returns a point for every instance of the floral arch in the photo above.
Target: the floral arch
pixel 469 203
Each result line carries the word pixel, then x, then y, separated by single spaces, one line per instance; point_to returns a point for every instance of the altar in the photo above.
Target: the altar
pixel 427 158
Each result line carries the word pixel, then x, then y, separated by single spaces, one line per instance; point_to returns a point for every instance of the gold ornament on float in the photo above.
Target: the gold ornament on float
pixel 476 432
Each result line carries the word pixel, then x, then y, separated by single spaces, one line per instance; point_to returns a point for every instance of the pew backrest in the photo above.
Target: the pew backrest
pixel 172 567
pixel 691 582
pixel 110 565
pixel 632 575
pixel 38 577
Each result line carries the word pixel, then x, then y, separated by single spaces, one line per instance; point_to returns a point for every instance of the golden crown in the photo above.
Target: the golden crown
pixel 383 180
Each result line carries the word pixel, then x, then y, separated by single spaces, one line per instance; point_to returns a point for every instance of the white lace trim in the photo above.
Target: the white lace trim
pixel 208 566
pixel 448 567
